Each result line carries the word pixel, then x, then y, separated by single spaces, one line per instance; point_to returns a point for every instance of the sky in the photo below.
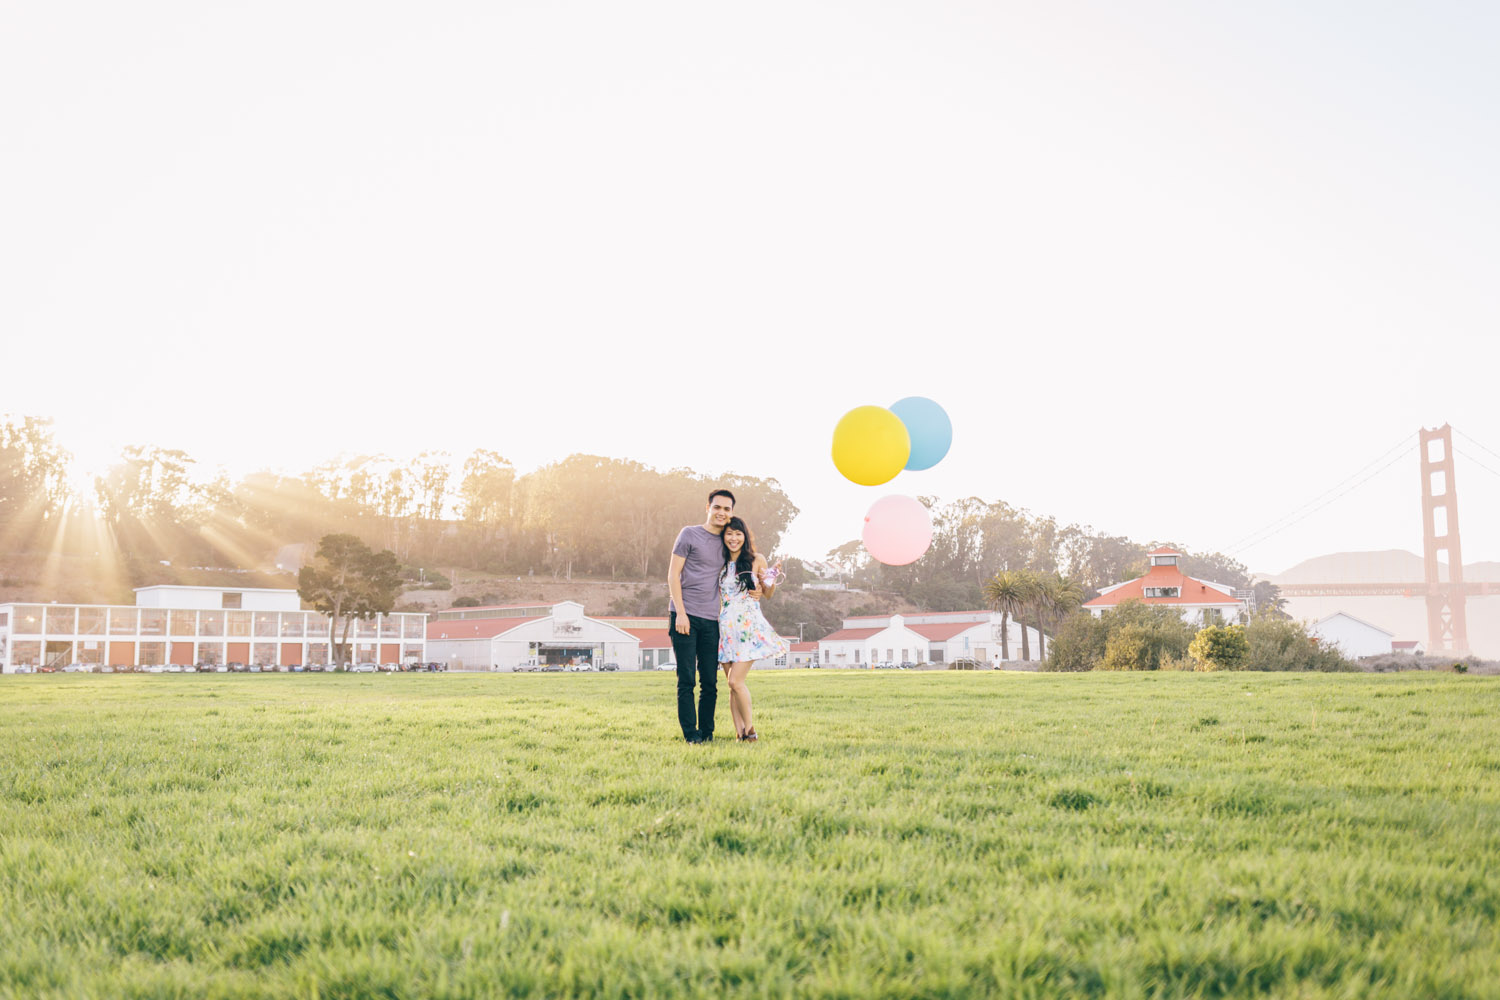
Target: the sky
pixel 1187 271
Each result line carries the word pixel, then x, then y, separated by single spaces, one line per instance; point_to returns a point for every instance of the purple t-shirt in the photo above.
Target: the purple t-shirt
pixel 704 552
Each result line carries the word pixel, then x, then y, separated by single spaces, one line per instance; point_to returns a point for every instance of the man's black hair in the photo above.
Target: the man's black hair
pixel 722 493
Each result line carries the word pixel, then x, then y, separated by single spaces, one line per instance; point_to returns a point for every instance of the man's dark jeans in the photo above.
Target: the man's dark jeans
pixel 697 652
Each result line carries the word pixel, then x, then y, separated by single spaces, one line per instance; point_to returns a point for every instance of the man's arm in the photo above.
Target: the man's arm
pixel 674 587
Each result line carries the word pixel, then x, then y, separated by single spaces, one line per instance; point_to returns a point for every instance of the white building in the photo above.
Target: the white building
pixel 522 635
pixel 196 625
pixel 1198 601
pixel 924 637
pixel 1353 636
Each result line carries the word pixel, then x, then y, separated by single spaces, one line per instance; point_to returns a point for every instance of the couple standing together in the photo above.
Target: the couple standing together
pixel 716 582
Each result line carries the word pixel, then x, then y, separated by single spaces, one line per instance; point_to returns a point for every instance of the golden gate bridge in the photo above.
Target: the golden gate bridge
pixel 1443 587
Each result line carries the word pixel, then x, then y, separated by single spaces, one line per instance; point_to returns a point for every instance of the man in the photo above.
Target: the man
pixel 693 614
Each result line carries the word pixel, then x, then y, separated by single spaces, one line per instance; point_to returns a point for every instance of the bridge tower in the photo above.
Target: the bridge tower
pixel 1446 628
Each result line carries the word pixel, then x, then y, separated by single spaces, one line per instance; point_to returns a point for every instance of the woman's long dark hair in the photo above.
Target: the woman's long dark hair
pixel 744 568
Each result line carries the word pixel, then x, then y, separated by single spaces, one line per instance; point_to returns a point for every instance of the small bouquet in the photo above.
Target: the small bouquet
pixel 772 576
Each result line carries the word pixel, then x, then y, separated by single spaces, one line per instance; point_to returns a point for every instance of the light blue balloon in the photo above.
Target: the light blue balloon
pixel 930 429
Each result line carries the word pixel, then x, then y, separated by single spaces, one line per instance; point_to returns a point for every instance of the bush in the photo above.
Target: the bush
pixel 1283 644
pixel 466 602
pixel 1219 647
pixel 1078 644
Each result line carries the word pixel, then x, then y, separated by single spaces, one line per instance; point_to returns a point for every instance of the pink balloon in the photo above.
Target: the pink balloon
pixel 897 530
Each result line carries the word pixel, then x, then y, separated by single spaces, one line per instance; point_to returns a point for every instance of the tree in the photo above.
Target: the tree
pixel 33 474
pixel 349 581
pixel 1143 637
pixel 1268 599
pixel 1219 647
pixel 1079 643
pixel 1008 592
pixel 1278 643
pixel 1058 597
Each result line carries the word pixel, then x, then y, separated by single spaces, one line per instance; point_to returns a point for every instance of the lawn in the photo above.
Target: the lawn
pixel 892 835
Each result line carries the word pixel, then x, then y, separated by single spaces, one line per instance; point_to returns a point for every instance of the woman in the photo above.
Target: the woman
pixel 744 634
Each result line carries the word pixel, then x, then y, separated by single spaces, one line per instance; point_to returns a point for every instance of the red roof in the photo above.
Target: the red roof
pixel 913 614
pixel 804 647
pixel 1190 590
pixel 501 607
pixel 473 628
pixel 651 638
pixel 851 633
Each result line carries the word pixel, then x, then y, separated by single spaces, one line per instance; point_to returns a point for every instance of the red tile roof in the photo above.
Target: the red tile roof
pixel 913 614
pixel 502 607
pixel 473 628
pixel 1191 591
pixel 652 638
pixel 804 647
pixel 851 633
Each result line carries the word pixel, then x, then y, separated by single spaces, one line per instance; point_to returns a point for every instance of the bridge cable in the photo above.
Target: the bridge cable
pixel 1479 444
pixel 1405 441
pixel 1254 540
pixel 1486 468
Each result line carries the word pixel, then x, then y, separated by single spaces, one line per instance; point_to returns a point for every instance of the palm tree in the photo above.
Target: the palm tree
pixel 1059 597
pixel 1008 592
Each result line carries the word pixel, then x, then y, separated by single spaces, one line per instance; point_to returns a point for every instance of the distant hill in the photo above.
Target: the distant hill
pixel 1389 566
pixel 1407 617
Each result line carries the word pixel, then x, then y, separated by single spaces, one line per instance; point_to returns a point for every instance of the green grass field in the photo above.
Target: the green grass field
pixel 892 835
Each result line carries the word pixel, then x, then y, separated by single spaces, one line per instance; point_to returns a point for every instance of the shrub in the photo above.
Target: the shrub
pixel 1219 647
pixel 1283 644
pixel 1078 644
pixel 466 602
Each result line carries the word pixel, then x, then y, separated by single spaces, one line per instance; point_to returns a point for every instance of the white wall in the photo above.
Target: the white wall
pixel 1353 637
pixel 212 598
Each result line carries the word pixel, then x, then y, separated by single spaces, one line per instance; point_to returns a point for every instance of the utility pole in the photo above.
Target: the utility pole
pixel 799 630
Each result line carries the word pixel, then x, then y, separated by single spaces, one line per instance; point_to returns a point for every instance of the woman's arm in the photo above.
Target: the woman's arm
pixel 767 589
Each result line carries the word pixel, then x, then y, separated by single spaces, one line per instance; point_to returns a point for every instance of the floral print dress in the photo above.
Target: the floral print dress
pixel 744 633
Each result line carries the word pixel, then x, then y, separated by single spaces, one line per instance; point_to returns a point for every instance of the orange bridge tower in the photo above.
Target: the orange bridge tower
pixel 1446 628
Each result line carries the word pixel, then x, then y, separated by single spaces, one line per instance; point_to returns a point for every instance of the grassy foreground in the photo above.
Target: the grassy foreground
pixel 893 835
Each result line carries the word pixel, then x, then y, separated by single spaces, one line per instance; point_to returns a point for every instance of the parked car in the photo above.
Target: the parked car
pixel 388 668
pixel 363 668
pixel 609 666
pixel 253 668
pixel 666 666
pixel 24 668
pixel 76 668
pixel 295 668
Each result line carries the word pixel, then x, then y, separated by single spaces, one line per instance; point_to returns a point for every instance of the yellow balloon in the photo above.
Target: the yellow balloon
pixel 870 445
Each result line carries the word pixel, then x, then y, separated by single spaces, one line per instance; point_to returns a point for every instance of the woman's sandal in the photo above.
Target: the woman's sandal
pixel 750 736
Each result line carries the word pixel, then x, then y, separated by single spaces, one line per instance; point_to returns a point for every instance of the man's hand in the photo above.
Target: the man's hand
pixel 683 625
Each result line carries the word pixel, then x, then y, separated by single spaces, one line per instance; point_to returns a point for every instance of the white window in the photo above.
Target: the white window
pixel 1163 591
